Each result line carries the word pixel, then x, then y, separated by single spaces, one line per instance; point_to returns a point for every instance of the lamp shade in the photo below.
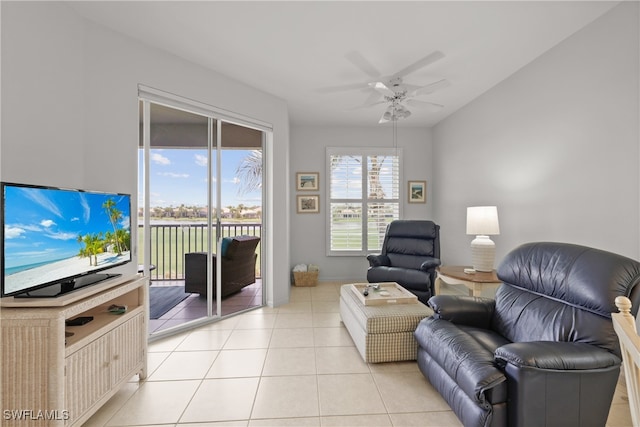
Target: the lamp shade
pixel 482 220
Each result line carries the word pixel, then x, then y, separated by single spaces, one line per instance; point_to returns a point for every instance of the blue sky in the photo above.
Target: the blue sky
pixel 43 224
pixel 179 176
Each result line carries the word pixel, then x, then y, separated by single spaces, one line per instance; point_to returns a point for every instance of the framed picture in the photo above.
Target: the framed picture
pixel 307 181
pixel 308 204
pixel 417 191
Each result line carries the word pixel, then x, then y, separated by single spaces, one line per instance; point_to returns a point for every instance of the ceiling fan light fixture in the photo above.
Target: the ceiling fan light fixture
pixel 401 112
pixel 393 88
pixel 394 113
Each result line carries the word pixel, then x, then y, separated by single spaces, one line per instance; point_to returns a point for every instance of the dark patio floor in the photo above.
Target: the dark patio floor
pixel 195 306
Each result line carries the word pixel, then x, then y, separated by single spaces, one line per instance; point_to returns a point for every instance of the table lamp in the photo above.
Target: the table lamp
pixel 482 221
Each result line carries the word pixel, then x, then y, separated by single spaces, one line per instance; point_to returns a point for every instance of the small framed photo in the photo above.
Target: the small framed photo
pixel 307 181
pixel 417 191
pixel 308 204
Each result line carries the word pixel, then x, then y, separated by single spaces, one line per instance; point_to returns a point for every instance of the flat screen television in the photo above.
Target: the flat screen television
pixel 56 240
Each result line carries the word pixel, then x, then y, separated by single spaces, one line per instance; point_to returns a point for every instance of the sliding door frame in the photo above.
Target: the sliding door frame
pixel 215 117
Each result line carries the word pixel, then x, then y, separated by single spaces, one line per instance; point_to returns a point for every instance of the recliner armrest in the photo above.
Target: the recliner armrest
pixel 378 260
pixel 557 356
pixel 430 264
pixel 463 310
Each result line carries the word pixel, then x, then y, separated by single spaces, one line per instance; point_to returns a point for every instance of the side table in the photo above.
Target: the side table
pixel 475 282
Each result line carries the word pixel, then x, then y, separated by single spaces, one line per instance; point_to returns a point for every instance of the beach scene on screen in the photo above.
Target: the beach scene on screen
pixel 52 234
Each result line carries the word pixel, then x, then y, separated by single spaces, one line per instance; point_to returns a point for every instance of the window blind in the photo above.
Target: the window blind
pixel 363 197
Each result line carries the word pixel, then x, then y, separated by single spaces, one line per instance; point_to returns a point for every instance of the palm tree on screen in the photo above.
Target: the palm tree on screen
pixel 114 216
pixel 93 245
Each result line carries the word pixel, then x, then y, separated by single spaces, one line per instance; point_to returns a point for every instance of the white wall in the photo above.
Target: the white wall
pixel 555 147
pixel 308 154
pixel 70 111
pixel 42 95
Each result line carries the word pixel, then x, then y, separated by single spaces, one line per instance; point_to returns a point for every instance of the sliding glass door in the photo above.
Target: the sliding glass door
pixel 200 216
pixel 239 215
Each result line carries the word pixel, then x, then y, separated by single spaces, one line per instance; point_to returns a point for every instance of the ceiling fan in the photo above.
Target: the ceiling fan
pixel 392 89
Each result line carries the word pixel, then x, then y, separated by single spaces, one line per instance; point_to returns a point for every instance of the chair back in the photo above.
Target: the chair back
pixel 625 326
pixel 407 242
pixel 562 292
pixel 242 247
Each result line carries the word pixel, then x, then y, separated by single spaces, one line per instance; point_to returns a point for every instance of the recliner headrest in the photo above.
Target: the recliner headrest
pixel 579 275
pixel 417 229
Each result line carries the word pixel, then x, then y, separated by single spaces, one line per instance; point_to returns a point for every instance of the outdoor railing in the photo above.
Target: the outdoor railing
pixel 169 243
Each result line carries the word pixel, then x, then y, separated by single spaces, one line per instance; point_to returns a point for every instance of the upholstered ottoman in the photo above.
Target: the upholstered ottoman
pixel 382 333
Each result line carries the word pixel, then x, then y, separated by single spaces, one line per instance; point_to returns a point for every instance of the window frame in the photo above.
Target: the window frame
pixel 363 152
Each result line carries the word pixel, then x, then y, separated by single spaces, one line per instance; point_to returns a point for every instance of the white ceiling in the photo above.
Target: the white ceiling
pixel 295 49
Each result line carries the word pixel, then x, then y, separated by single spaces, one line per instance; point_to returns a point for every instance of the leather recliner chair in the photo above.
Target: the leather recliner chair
pixel 544 352
pixel 410 255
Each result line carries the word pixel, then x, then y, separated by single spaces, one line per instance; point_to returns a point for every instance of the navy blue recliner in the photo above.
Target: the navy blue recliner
pixel 410 255
pixel 543 352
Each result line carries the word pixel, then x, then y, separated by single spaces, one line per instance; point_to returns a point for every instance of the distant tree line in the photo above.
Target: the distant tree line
pixel 194 212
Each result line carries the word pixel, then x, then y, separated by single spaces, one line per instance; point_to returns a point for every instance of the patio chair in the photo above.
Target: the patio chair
pixel 238 267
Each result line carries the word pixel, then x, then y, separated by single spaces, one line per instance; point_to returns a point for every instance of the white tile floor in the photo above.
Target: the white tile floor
pixel 294 365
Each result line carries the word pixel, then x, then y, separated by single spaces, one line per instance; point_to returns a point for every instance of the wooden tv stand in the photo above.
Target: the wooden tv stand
pixel 52 380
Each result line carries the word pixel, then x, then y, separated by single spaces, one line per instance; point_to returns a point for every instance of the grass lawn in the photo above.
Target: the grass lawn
pixel 170 241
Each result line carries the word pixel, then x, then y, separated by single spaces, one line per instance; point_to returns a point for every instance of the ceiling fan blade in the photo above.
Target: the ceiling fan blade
pixel 382 88
pixel 373 98
pixel 430 88
pixel 425 104
pixel 342 88
pixel 429 59
pixel 410 88
pixel 369 105
pixel 361 62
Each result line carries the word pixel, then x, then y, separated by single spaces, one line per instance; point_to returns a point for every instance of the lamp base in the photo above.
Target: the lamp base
pixel 483 253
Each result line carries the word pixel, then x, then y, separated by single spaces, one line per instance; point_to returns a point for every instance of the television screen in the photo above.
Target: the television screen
pixel 51 236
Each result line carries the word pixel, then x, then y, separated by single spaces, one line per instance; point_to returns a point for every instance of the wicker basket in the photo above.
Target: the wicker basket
pixel 305 278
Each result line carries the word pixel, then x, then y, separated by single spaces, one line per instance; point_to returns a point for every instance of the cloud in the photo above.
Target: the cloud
pixel 30 254
pixel 201 160
pixel 174 175
pixel 124 222
pixel 62 236
pixel 47 223
pixel 38 197
pixel 31 227
pixel 235 180
pixel 12 232
pixel 160 159
pixel 86 209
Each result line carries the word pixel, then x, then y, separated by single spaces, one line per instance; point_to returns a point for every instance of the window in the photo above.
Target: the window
pixel 363 197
